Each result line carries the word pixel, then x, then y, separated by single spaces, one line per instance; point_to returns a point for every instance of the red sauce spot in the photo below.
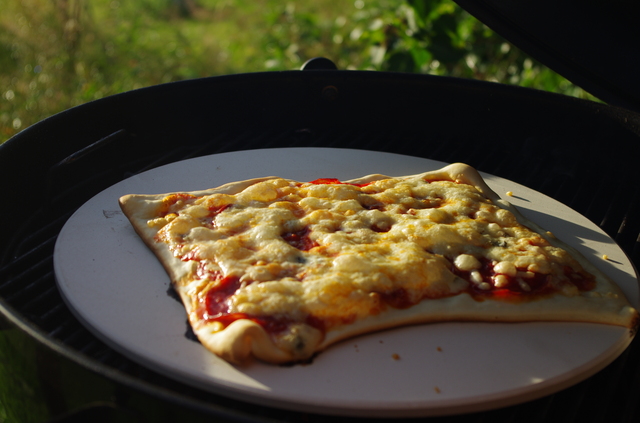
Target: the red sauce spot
pixel 325 181
pixel 191 255
pixel 316 322
pixel 334 181
pixel 216 299
pixel 273 325
pixel 217 309
pixel 172 199
pixel 203 272
pixel 270 324
pixel 300 239
pixel 538 284
pixel 227 319
pixel 216 210
pixel 398 298
pixel 209 221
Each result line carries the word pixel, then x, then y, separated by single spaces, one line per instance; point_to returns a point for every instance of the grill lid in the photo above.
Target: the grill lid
pixel 593 44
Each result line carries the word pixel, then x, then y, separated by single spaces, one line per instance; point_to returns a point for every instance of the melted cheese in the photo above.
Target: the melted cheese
pixel 365 243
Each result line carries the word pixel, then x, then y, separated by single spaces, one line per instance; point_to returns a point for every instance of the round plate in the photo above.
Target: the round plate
pixel 118 289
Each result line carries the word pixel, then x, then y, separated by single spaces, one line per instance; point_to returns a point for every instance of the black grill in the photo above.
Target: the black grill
pixel 580 153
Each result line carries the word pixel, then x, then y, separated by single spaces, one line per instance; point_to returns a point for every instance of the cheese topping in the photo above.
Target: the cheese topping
pixel 331 253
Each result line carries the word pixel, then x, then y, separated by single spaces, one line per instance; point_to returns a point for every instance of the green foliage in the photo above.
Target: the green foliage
pixel 61 53
pixel 19 381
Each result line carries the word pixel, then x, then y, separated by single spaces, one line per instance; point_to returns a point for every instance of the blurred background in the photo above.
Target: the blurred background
pixel 56 54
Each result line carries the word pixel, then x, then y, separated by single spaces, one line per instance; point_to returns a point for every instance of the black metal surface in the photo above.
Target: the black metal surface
pixel 594 44
pixel 583 154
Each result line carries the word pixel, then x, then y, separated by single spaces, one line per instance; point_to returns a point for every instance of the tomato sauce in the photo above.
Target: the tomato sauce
pixel 217 309
pixel 172 199
pixel 398 298
pixel 216 210
pixel 300 239
pixel 536 285
pixel 330 181
pixel 216 299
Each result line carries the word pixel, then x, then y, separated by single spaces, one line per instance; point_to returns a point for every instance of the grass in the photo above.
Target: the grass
pixel 58 54
pixel 19 383
pixel 55 55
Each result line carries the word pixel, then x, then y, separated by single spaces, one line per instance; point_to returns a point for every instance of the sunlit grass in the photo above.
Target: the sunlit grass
pixel 58 54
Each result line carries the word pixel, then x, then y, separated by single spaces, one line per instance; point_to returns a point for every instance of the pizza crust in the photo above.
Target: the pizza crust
pixel 244 339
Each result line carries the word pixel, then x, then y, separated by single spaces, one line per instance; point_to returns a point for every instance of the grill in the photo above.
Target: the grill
pixel 575 151
pixel 580 153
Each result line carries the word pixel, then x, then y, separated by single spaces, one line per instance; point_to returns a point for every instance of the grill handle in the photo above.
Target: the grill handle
pixel 318 63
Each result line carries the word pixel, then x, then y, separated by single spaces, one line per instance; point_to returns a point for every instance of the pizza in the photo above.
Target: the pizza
pixel 278 270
